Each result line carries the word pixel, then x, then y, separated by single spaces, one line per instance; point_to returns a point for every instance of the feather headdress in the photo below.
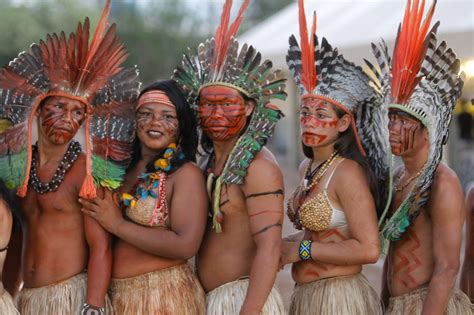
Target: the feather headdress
pixel 73 68
pixel 219 61
pixel 422 80
pixel 320 72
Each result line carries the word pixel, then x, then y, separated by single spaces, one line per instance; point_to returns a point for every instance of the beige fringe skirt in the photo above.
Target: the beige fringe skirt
pixel 6 304
pixel 228 299
pixel 336 296
pixel 171 291
pixel 65 298
pixel 412 303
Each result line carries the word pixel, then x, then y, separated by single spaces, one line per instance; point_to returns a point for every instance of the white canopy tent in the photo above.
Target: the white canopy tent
pixel 351 25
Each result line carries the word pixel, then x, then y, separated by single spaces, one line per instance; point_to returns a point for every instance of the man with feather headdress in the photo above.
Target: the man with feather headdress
pixel 424 227
pixel 231 90
pixel 63 82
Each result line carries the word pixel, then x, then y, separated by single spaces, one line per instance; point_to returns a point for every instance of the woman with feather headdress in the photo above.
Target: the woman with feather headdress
pixel 347 164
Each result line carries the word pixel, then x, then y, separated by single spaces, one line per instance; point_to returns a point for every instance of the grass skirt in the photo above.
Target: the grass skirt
pixel 64 297
pixel 171 291
pixel 6 304
pixel 336 296
pixel 412 303
pixel 229 298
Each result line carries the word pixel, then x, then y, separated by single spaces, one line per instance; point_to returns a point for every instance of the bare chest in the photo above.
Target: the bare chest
pixel 62 202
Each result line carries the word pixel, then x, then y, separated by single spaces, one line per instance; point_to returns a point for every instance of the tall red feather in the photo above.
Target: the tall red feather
pixel 409 50
pixel 308 70
pixel 224 33
pixel 95 43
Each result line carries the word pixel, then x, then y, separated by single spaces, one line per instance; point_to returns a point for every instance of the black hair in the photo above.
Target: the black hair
pixel 188 138
pixel 346 146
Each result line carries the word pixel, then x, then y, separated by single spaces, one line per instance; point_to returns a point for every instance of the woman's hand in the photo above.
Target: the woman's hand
pixel 289 253
pixel 104 210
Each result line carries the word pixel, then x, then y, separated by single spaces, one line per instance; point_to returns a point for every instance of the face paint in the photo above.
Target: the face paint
pixel 157 125
pixel 402 128
pixel 222 112
pixel 60 118
pixel 318 122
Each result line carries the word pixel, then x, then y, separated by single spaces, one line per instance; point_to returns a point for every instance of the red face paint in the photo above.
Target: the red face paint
pixel 222 112
pixel 157 125
pixel 402 128
pixel 318 122
pixel 60 118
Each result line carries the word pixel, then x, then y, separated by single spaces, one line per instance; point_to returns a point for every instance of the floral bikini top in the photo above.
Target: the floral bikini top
pixel 315 213
pixel 147 205
pixel 152 209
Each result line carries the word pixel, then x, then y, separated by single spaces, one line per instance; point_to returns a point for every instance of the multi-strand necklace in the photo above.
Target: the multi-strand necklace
pixel 312 178
pixel 399 187
pixel 68 160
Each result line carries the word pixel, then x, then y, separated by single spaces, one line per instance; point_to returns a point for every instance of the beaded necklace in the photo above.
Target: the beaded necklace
pixel 71 155
pixel 320 171
pixel 399 187
pixel 153 184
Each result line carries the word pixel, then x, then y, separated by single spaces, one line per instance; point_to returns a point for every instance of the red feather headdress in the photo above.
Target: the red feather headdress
pixel 90 73
pixel 410 50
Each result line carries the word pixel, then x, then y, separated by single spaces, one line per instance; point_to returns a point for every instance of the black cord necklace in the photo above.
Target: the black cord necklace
pixel 68 160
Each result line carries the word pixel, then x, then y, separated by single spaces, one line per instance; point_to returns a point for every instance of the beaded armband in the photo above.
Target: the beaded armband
pixel 305 250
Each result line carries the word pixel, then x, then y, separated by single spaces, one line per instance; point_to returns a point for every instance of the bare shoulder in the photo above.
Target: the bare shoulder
pixel 348 172
pixel 446 190
pixel 5 219
pixel 263 171
pixel 4 210
pixel 263 165
pixel 189 171
pixel 445 182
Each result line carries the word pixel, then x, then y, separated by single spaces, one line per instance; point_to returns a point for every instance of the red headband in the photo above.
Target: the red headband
pixel 155 96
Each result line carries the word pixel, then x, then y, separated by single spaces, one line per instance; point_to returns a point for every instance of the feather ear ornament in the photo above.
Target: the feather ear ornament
pixel 90 73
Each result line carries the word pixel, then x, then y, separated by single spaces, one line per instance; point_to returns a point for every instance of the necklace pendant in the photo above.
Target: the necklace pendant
pixel 305 183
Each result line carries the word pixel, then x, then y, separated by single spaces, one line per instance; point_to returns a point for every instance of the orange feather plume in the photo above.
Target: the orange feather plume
pixel 410 50
pixel 224 33
pixel 308 69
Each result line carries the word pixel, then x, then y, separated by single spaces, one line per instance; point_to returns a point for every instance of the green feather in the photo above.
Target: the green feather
pixel 12 169
pixel 106 173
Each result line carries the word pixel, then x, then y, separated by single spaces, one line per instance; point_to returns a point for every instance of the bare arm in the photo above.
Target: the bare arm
pixel 264 199
pixel 187 212
pixel 357 202
pixel 447 211
pixel 467 278
pixel 11 276
pixel 99 267
pixel 299 235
